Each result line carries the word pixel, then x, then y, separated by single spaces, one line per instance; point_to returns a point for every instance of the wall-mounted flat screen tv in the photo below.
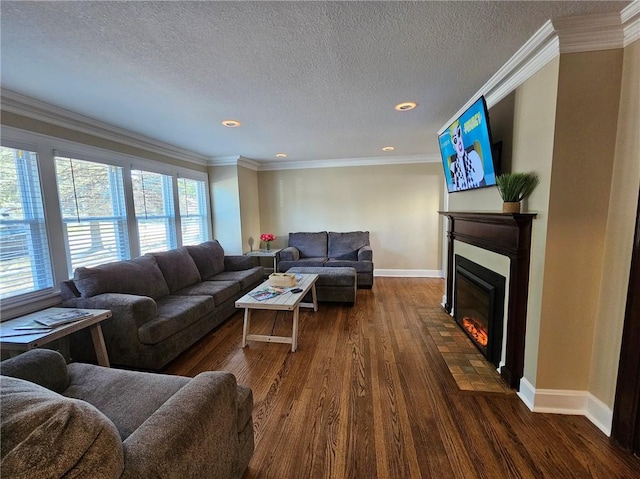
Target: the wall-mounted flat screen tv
pixel 465 147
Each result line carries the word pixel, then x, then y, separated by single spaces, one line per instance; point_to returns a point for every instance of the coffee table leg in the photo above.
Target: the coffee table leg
pixel 245 327
pixel 294 334
pixel 99 346
pixel 315 298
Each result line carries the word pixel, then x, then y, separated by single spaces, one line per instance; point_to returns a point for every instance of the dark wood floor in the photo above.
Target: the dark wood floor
pixel 368 395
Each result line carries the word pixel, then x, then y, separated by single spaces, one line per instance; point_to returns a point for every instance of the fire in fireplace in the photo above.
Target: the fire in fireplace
pixel 479 306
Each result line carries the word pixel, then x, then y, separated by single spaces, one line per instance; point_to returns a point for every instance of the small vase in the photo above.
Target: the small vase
pixel 268 246
pixel 511 207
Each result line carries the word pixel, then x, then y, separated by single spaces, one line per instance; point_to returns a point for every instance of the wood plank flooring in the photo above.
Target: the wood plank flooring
pixel 368 395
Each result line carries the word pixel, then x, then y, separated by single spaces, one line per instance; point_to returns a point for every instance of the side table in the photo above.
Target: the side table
pixel 19 340
pixel 267 253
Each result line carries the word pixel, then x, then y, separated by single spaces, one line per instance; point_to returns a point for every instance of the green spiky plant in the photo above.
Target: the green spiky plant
pixel 514 187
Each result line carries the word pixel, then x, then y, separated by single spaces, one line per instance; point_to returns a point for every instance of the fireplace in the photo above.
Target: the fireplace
pixel 508 234
pixel 479 306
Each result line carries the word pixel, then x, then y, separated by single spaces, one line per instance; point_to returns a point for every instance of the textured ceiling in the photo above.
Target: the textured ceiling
pixel 317 80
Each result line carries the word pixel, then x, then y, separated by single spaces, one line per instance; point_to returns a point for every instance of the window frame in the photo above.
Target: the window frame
pixel 119 205
pixel 47 148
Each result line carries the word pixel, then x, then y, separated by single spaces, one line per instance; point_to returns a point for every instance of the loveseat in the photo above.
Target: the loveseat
pixel 322 249
pixel 86 421
pixel 161 303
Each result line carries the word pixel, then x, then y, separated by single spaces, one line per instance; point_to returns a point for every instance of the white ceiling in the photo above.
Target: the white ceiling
pixel 316 80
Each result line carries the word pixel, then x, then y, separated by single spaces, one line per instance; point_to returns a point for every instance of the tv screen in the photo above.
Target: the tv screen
pixel 465 147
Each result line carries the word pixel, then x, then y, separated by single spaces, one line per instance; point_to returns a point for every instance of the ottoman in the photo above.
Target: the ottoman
pixel 334 284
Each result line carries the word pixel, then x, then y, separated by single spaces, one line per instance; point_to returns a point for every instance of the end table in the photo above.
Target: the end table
pixel 267 253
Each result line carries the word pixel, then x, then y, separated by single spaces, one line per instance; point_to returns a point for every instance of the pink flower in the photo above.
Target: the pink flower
pixel 267 237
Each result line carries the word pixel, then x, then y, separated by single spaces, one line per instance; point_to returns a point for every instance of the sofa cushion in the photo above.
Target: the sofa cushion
pixel 45 434
pixel 219 290
pixel 178 268
pixel 343 245
pixel 310 245
pixel 344 276
pixel 140 276
pixel 127 398
pixel 209 258
pixel 310 262
pixel 174 314
pixel 246 277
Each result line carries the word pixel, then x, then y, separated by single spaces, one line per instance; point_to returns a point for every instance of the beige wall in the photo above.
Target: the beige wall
pixel 249 208
pixel 36 126
pixel 398 204
pixel 534 126
pixel 619 234
pixel 225 207
pixel 584 145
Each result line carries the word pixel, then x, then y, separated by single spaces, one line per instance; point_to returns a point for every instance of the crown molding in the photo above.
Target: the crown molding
pixel 19 104
pixel 590 33
pixel 223 160
pixel 340 163
pixel 541 48
pixel 630 18
pixel 248 163
pixel 565 35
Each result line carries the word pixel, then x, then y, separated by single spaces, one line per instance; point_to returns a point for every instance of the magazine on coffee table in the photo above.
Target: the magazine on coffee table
pixel 268 293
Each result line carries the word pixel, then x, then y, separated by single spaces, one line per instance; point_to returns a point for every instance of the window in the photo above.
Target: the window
pixel 155 213
pixel 193 211
pixel 93 212
pixel 25 265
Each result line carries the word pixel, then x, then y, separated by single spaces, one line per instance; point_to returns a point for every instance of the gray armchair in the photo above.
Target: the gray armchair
pixel 83 420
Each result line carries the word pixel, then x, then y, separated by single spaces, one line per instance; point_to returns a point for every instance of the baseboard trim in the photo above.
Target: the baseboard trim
pixel 560 401
pixel 409 273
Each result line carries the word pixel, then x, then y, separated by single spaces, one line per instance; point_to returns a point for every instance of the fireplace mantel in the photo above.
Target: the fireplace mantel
pixel 508 234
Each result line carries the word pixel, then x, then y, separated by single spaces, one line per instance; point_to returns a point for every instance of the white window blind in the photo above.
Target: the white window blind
pixel 93 212
pixel 25 264
pixel 155 213
pixel 193 211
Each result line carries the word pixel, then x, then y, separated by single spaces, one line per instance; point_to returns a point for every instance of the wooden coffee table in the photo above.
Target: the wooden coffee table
pixel 284 302
pixel 16 341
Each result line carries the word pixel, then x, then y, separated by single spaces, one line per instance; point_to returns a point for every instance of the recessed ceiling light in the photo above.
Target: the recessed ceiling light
pixel 409 105
pixel 231 123
pixel 281 155
pixel 388 148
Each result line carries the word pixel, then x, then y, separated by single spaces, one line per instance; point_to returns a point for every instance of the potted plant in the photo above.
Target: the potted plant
pixel 515 187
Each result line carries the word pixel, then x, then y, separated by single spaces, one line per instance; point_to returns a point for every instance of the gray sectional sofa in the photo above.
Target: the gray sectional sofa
pixel 161 303
pixel 86 421
pixel 322 249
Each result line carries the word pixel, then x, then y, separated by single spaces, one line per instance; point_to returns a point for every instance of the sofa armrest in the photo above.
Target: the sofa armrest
pixel 192 435
pixel 365 254
pixel 240 262
pixel 290 253
pixel 128 310
pixel 44 367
